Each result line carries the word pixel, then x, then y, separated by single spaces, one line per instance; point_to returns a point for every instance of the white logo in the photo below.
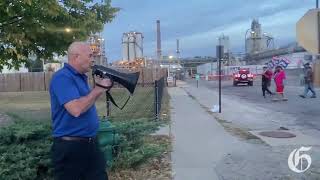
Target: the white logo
pixel 295 160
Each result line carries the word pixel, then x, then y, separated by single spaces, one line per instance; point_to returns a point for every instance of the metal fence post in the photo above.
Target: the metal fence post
pixel 44 81
pixel 156 105
pixel 20 82
pixel 142 75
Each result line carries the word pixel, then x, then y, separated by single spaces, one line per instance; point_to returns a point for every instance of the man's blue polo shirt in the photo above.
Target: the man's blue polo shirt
pixel 67 85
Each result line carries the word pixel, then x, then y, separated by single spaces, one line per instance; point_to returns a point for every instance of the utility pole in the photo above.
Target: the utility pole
pixel 158 41
pixel 219 54
pixel 178 51
pixel 316 65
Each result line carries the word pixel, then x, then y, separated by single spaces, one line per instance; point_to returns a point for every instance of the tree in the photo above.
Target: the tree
pixel 38 27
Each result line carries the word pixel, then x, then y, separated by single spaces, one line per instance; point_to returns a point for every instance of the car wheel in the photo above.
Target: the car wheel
pixel 235 83
pixel 250 83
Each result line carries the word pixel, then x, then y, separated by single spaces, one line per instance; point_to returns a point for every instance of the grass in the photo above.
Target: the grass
pixel 141 104
pixel 237 131
pixel 165 108
pixel 156 168
pixel 26 105
pixel 36 105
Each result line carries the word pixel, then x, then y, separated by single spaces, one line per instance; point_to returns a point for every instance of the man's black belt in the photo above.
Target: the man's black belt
pixel 82 139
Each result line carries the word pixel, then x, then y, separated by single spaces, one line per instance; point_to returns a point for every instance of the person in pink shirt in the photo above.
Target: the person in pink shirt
pixel 279 77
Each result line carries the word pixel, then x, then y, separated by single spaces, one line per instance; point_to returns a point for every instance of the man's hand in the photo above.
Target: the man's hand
pixel 103 84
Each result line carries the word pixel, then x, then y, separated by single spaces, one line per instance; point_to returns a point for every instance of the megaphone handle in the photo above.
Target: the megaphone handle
pixel 106 87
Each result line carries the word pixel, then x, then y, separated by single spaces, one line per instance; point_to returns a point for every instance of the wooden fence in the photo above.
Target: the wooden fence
pixel 40 81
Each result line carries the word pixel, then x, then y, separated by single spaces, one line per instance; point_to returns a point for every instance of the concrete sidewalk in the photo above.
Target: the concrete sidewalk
pixel 199 141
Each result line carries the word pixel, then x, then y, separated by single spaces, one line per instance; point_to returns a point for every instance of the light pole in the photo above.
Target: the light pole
pixel 269 39
pixel 170 59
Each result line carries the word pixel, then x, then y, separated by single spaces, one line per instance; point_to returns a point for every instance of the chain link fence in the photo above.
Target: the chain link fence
pixel 146 102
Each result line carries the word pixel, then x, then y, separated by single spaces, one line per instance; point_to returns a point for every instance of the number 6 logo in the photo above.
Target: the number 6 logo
pixel 295 160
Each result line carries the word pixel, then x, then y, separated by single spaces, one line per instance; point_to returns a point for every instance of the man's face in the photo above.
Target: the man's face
pixel 85 59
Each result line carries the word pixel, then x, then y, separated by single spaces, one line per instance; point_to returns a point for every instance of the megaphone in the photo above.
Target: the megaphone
pixel 127 80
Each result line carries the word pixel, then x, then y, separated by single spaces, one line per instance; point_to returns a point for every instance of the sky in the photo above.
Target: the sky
pixel 199 23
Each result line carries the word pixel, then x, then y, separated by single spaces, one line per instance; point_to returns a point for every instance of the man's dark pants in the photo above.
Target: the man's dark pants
pixel 78 160
pixel 309 86
pixel 265 85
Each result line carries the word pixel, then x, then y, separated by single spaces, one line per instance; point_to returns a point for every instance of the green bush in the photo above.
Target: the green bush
pixel 129 158
pixel 133 150
pixel 24 150
pixel 25 147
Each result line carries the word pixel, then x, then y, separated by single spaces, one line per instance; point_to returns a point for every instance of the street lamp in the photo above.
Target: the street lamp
pixel 270 39
pixel 68 30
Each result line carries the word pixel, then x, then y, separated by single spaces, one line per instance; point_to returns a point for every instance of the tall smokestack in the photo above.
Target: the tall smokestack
pixel 158 41
pixel 178 49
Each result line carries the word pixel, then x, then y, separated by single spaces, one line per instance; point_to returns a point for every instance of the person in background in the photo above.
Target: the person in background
pixel 279 78
pixel 266 81
pixel 308 81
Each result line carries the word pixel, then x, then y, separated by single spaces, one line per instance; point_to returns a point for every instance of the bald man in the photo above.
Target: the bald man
pixel 75 151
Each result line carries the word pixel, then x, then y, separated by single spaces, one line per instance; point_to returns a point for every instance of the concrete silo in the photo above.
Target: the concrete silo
pixel 125 46
pixel 132 46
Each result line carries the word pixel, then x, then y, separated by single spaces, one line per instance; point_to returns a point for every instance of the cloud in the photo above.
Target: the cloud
pixel 280 25
pixel 198 23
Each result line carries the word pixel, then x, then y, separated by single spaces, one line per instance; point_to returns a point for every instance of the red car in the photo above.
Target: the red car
pixel 243 76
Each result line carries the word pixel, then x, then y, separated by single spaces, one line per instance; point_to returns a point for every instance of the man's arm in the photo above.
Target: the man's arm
pixel 78 106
